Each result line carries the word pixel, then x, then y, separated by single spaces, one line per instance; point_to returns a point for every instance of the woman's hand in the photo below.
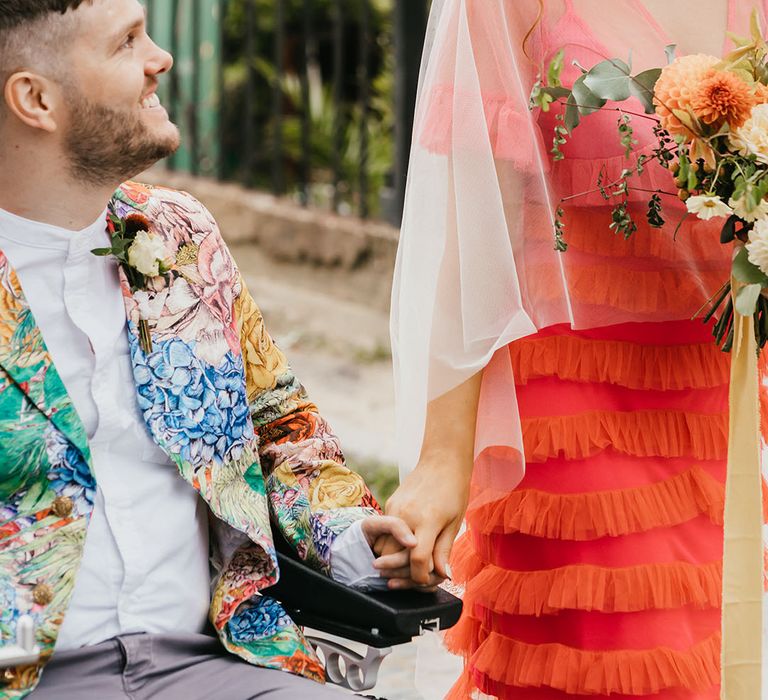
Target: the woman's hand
pixel 432 501
pixel 433 498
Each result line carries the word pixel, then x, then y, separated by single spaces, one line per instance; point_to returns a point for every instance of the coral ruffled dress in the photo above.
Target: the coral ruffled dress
pixel 592 561
pixel 601 574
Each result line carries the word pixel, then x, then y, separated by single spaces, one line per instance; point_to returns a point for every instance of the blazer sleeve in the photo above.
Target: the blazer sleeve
pixel 313 495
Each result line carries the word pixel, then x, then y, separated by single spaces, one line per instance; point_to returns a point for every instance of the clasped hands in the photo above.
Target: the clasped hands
pixel 433 498
pixel 413 540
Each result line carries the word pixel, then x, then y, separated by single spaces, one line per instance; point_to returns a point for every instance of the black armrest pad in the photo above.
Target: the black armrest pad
pixel 377 619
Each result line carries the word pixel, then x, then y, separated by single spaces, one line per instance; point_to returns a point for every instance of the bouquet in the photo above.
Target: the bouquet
pixel 711 126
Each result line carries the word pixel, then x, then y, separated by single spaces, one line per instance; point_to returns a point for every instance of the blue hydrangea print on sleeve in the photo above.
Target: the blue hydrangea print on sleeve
pixel 195 410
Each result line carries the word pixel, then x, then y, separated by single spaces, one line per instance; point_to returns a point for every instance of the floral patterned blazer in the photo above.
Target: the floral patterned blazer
pixel 219 398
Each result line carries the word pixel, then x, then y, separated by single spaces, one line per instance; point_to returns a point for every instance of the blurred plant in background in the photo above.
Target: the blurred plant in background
pixel 242 52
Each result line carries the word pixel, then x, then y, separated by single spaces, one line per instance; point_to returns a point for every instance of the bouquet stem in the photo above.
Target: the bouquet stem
pixel 145 337
pixel 723 331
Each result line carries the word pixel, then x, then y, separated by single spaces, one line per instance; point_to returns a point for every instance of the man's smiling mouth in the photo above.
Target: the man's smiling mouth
pixel 150 101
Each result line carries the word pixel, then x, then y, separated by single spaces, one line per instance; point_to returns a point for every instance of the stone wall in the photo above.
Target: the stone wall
pixel 346 256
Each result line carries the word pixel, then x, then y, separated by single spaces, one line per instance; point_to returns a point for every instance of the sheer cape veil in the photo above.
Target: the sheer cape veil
pixel 477 268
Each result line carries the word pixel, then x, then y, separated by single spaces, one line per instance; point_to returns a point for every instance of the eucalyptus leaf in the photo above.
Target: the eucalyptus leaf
pixel 609 80
pixel 670 50
pixel 641 87
pixel 556 92
pixel 746 299
pixel 101 252
pixel 746 272
pixel 572 116
pixel 744 72
pixel 586 100
pixel 737 55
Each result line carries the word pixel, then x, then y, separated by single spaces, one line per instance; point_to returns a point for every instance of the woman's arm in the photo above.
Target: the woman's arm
pixel 433 498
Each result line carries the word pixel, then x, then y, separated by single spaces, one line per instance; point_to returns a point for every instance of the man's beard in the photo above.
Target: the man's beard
pixel 108 146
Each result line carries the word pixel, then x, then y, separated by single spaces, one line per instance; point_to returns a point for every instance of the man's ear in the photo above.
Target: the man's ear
pixel 32 99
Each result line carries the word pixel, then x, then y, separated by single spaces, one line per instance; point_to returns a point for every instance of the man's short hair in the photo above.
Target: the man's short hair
pixel 31 30
pixel 14 13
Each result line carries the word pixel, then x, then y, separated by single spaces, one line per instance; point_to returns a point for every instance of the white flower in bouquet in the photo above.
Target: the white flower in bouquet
pixel 148 254
pixel 741 208
pixel 757 248
pixel 707 206
pixel 751 139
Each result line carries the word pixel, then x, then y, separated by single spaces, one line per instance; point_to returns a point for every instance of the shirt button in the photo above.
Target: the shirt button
pixel 42 594
pixel 63 506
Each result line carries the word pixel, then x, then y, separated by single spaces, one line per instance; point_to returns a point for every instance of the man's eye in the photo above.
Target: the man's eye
pixel 128 43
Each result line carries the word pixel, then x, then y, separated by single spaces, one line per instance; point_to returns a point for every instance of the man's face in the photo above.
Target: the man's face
pixel 116 126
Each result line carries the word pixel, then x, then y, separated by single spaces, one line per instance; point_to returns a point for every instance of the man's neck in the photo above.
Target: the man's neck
pixel 46 195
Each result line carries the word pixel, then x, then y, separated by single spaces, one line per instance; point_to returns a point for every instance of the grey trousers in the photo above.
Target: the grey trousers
pixel 168 667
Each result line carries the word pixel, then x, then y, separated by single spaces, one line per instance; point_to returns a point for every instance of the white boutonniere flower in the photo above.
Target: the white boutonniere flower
pixel 149 255
pixel 143 257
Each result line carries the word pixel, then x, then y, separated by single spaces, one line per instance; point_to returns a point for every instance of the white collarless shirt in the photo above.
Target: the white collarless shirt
pixel 145 563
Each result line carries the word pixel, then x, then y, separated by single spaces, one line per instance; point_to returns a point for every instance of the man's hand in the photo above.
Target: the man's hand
pixel 395 565
pixel 386 525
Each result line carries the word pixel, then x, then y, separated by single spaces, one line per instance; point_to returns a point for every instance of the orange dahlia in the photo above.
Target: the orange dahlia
pixel 723 97
pixel 676 87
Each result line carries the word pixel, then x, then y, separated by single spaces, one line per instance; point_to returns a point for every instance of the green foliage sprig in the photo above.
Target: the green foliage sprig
pixel 610 80
pixel 704 164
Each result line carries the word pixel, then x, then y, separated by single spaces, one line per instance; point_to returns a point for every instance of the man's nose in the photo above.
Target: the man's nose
pixel 160 61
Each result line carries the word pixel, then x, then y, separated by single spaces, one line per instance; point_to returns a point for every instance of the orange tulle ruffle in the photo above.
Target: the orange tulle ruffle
pixel 634 366
pixel 466 563
pixel 588 231
pixel 640 433
pixel 679 292
pixel 589 516
pixel 661 586
pixel 578 672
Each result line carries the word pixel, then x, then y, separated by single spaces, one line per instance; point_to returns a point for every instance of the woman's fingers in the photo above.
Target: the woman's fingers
pixel 394 561
pixel 443 547
pixel 403 572
pixel 422 563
